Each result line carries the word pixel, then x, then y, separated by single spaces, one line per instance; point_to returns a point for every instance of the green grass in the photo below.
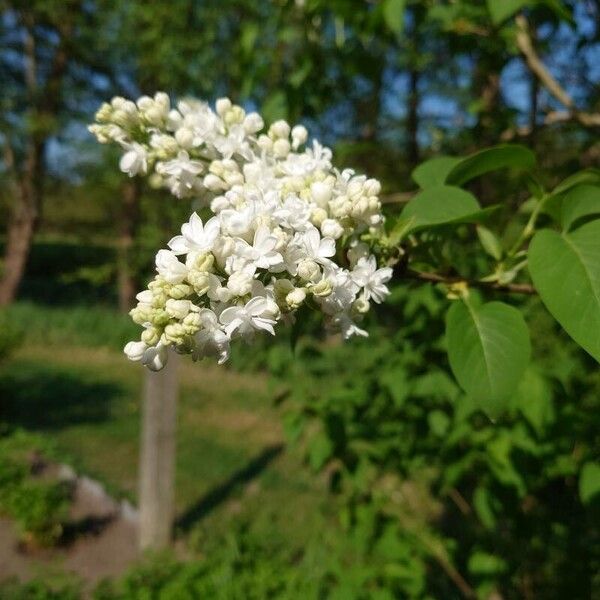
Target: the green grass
pixel 71 385
pixel 92 326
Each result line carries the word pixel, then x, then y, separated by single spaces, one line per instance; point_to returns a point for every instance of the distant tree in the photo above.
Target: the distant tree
pixel 49 54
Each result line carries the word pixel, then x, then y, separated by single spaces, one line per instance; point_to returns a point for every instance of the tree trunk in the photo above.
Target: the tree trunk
pixel 22 222
pixel 412 120
pixel 534 88
pixel 157 457
pixel 412 100
pixel 127 287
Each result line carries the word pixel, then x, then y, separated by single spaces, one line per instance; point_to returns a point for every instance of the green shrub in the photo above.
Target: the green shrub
pixel 244 567
pixel 38 589
pixel 434 493
pixel 11 334
pixel 39 507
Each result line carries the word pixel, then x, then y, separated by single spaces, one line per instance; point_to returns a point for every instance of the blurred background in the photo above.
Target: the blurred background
pixel 335 471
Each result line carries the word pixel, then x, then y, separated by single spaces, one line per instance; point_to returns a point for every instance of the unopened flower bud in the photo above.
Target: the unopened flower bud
pixel 253 123
pixel 163 101
pixel 214 183
pixel 135 350
pixel 174 120
pixel 309 270
pixel 234 116
pixel 321 193
pixel 321 289
pixel 151 336
pixel 179 291
pixel 178 309
pixel 279 129
pixel 154 116
pixel 201 262
pixel 223 105
pixel 295 298
pixel 156 181
pixel 372 187
pixel 184 137
pixel 332 228
pixel 265 143
pixel 104 113
pixel 317 216
pixel 144 102
pixel 118 102
pixel 174 333
pixel 281 148
pixel 361 305
pixel 192 323
pixel 299 135
pixel 140 314
pixel 145 297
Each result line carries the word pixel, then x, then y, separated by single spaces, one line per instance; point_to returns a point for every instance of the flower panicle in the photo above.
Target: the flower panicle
pixel 286 227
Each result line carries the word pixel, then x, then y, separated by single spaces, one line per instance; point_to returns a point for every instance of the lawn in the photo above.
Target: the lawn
pixel 71 384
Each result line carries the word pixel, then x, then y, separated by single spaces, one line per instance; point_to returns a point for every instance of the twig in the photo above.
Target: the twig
pixel 396 198
pixel 513 288
pixel 552 118
pixel 460 501
pixel 534 62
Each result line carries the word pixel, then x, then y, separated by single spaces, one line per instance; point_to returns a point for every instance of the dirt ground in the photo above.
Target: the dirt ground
pixel 100 540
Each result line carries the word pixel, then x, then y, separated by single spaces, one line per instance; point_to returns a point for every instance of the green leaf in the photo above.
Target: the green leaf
pixel 275 107
pixel 399 228
pixel 319 451
pixel 581 201
pixel 248 36
pixel 439 422
pixel 534 400
pixel 490 242
pixel 589 482
pixel 482 503
pixel 560 10
pixel 393 15
pixel 491 159
pixel 488 348
pixel 500 10
pixel 479 216
pixel 434 171
pixel 566 272
pixel 589 176
pixel 438 205
pixel 483 563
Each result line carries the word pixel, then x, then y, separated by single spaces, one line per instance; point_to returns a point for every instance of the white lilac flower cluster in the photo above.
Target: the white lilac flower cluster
pixel 286 228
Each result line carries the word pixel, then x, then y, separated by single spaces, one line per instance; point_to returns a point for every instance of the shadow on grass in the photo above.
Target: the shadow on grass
pixel 37 397
pixel 220 493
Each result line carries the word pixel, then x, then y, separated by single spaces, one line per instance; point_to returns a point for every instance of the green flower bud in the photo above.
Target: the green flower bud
pixel 151 336
pixel 179 291
pixel 321 289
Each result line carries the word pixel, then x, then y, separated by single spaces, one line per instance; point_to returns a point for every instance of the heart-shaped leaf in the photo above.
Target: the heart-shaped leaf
pixel 439 205
pixel 489 349
pixel 589 482
pixel 500 10
pixel 581 201
pixel 434 171
pixel 491 159
pixel 393 14
pixel 566 272
pixel 587 176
